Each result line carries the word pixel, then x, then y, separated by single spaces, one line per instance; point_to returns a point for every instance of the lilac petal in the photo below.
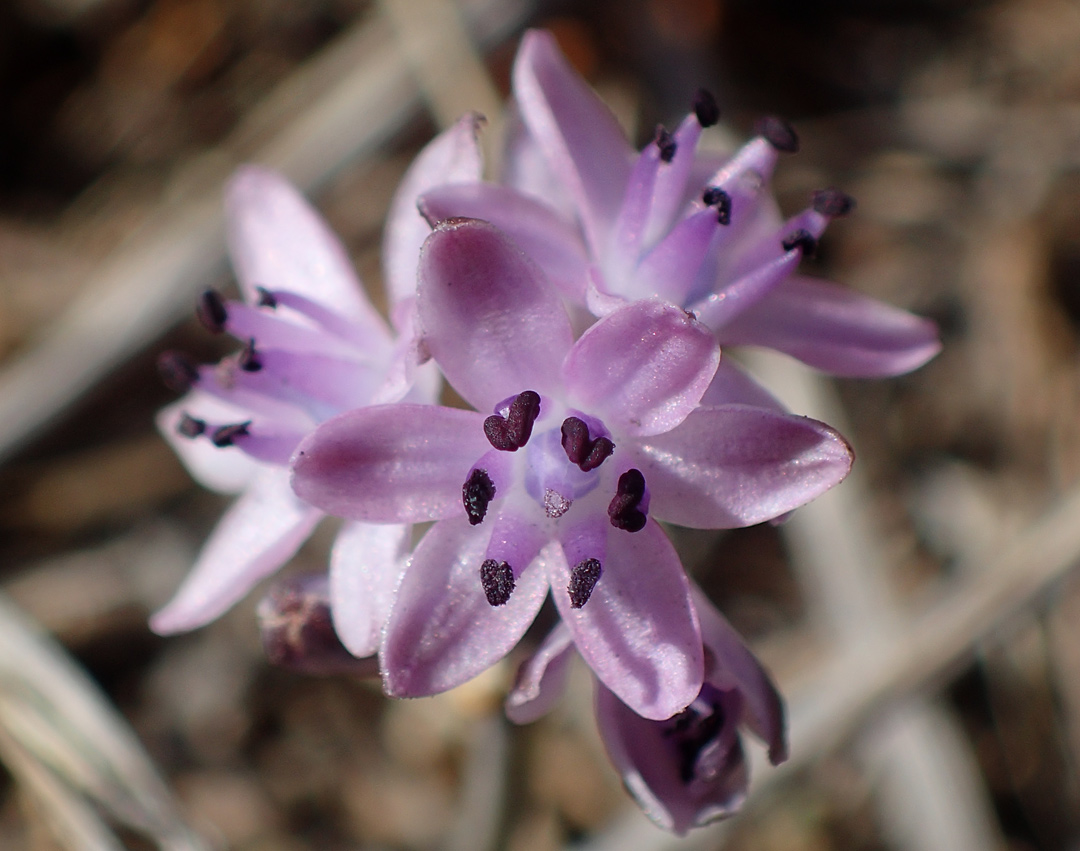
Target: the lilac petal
pixel 671 182
pixel 541 679
pixel 641 369
pixel 324 385
pixel 638 630
pixel 258 534
pixel 226 469
pixel 836 330
pixel 398 463
pixel 732 385
pixel 269 329
pixel 583 142
pixel 722 307
pixel 453 156
pixel 729 664
pixel 366 564
pixel 671 269
pixel 442 631
pixel 643 753
pixel 629 232
pixel 277 241
pixel 489 317
pixel 537 229
pixel 735 465
pixel 526 169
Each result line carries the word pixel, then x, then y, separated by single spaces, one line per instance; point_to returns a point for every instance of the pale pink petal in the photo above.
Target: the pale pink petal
pixel 489 317
pixel 366 564
pixel 583 142
pixel 398 463
pixel 541 679
pixel 641 369
pixel 735 465
pixel 525 167
pixel 638 630
pixel 537 230
pixel 732 385
pixel 225 469
pixel 730 665
pixel 277 241
pixel 836 330
pixel 442 631
pixel 258 534
pixel 453 156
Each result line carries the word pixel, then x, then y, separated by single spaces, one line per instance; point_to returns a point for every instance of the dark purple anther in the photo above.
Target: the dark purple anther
pixel 266 298
pixel 801 239
pixel 778 133
pixel 714 196
pixel 587 454
pixel 498 581
pixel 666 143
pixel 210 308
pixel 177 371
pixel 705 108
pixel 583 579
pixel 248 360
pixel 226 435
pixel 512 432
pixel 476 494
pixel 833 202
pixel 190 427
pixel 623 510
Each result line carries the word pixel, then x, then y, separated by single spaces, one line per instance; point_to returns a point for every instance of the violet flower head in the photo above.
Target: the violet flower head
pixel 556 481
pixel 609 226
pixel 313 346
pixel 690 769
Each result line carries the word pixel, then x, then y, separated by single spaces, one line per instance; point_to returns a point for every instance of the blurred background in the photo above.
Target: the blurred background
pixel 921 619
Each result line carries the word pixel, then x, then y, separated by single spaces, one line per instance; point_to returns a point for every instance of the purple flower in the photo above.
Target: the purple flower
pixel 610 226
pixel 313 347
pixel 560 486
pixel 690 769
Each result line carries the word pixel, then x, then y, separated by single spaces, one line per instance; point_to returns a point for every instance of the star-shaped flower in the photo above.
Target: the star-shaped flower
pixel 557 479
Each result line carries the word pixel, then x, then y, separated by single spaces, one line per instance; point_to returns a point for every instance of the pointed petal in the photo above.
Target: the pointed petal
pixel 453 156
pixel 277 241
pixel 398 463
pixel 489 317
pixel 638 630
pixel 258 534
pixel 732 385
pixel 442 631
pixel 222 469
pixel 836 330
pixel 551 241
pixel 721 307
pixel 525 167
pixel 541 679
pixel 732 665
pixel 583 142
pixel 366 564
pixel 641 369
pixel 735 465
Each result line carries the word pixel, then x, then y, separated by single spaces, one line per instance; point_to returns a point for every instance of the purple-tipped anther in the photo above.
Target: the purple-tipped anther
pixel 706 108
pixel 623 509
pixel 177 371
pixel 226 435
pixel 266 298
pixel 498 581
pixel 832 203
pixel 666 143
pixel 778 133
pixel 580 449
pixel 476 494
pixel 714 196
pixel 583 579
pixel 190 426
pixel 210 309
pixel 248 359
pixel 513 431
pixel 801 239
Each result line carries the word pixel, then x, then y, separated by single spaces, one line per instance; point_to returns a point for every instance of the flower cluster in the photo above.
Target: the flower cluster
pixel 579 306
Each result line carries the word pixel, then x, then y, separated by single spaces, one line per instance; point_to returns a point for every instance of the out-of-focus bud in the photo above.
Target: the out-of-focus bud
pixel 298 633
